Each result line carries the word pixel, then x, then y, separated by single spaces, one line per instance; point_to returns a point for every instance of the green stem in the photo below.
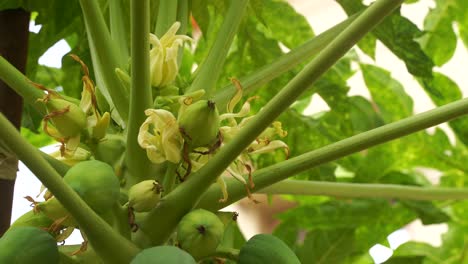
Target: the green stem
pixel 21 84
pixel 209 71
pixel 183 198
pixel 225 253
pixel 58 166
pixel 283 64
pixel 169 177
pixel 105 55
pixel 361 190
pixel 183 14
pixel 140 100
pixel 167 14
pixel 108 244
pixel 119 31
pixel 280 171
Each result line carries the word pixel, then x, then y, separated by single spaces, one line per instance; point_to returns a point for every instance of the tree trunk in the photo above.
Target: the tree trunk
pixel 14 32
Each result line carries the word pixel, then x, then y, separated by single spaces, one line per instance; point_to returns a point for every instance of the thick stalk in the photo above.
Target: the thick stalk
pixel 140 99
pixel 209 71
pixel 183 198
pixel 105 54
pixel 14 46
pixel 109 245
pixel 278 172
pixel 22 86
pixel 167 14
pixel 119 30
pixel 58 166
pixel 282 65
pixel 365 190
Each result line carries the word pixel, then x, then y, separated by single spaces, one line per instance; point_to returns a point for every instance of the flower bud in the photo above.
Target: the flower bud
pixel 144 196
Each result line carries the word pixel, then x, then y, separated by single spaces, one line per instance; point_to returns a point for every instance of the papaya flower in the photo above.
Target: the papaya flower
pixel 164 54
pixel 160 136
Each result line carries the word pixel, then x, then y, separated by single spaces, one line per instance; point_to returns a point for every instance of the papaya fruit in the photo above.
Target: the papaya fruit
pixel 264 248
pixel 199 123
pixel 163 255
pixel 67 117
pixel 110 149
pixel 96 183
pixel 34 219
pixel 199 233
pixel 25 245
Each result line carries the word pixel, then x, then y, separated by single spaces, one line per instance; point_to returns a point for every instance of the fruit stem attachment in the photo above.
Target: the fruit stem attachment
pixel 140 95
pixel 209 71
pixel 109 245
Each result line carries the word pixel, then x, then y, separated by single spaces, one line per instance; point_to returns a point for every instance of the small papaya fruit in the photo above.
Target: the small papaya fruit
pixel 144 196
pixel 110 149
pixel 34 219
pixel 28 245
pixel 96 183
pixel 67 117
pixel 199 233
pixel 264 248
pixel 199 123
pixel 163 254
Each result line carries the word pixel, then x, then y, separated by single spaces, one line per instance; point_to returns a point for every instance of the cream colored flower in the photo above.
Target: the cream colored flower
pixel 164 54
pixel 160 136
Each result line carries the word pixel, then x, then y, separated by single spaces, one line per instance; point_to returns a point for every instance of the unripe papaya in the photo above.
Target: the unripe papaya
pixel 96 183
pixel 199 123
pixel 144 196
pixel 163 255
pixel 200 232
pixel 110 149
pixel 264 248
pixel 25 245
pixel 67 117
pixel 34 219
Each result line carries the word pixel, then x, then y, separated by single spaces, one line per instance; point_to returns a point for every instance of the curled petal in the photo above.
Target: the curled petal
pixel 160 136
pixel 266 146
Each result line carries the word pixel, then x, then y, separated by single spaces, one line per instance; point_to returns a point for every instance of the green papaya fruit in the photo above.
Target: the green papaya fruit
pixel 264 248
pixel 28 245
pixel 199 233
pixel 34 219
pixel 199 123
pixel 96 183
pixel 69 120
pixel 163 255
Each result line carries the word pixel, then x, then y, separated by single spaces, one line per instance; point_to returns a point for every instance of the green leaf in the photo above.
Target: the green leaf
pixel 274 13
pixel 384 89
pixel 413 252
pixel 327 246
pixel 427 212
pixel 397 33
pixel 439 40
pixel 461 15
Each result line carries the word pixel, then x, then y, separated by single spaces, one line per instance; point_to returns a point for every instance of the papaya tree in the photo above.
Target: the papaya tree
pixel 165 112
